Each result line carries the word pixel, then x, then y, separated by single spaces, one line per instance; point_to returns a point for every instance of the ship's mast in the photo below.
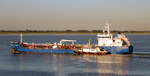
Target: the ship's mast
pixel 108 29
pixel 21 39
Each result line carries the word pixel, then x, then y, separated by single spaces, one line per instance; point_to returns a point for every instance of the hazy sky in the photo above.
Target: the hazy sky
pixel 74 14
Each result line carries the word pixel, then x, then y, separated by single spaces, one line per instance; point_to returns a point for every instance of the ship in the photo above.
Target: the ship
pixel 107 43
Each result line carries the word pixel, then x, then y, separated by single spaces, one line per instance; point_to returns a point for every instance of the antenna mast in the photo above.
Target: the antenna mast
pixel 108 28
pixel 21 39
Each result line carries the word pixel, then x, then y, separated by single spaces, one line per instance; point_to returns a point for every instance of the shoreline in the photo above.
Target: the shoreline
pixel 25 32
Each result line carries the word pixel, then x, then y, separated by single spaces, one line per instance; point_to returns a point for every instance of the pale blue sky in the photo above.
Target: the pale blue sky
pixel 74 14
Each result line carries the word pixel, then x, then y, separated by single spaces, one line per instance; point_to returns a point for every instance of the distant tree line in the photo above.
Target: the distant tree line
pixel 72 31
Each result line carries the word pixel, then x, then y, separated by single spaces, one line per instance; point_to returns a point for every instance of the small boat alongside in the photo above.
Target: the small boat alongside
pixel 94 51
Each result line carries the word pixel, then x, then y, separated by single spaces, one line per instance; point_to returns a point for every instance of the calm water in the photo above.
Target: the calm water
pixel 137 64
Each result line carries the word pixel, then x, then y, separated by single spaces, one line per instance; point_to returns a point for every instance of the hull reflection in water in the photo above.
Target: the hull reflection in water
pixel 105 65
pixel 93 65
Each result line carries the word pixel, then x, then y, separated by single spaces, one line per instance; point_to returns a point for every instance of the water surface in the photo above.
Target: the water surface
pixel 136 64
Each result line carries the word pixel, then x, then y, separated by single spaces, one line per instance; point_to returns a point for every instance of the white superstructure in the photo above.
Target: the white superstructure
pixel 106 39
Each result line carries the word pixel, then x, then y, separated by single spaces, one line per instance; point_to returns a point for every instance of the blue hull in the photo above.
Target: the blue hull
pixel 112 50
pixel 119 50
pixel 20 49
